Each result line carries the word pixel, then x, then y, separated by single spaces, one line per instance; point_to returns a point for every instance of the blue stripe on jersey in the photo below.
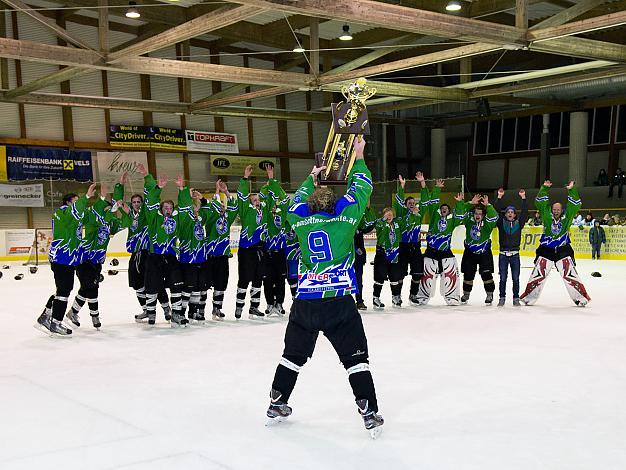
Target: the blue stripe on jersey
pixel 479 248
pixel 554 242
pixel 246 241
pixel 439 242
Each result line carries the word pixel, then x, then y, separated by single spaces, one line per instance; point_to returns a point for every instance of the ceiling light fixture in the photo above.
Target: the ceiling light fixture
pixel 132 12
pixel 453 5
pixel 346 36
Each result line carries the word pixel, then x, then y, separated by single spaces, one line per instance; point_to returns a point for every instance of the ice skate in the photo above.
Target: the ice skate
pixel 151 318
pixel 396 301
pixel 254 312
pixel 581 303
pixel 414 300
pixel 361 305
pixel 217 314
pixel 373 421
pixel 140 317
pixel 178 320
pixel 167 312
pixel 279 309
pixel 502 300
pixel 278 410
pixel 465 297
pixel 489 298
pixel 73 317
pixel 516 303
pixel 58 329
pixel 378 305
pixel 43 322
pixel 95 319
pixel 198 317
pixel 238 312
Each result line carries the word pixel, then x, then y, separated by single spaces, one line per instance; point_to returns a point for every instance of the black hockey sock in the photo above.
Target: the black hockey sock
pixel 59 305
pixel 362 384
pixel 268 291
pixel 202 301
pixel 151 302
pixel 242 288
pixel 286 376
pixel 490 286
pixel 218 298
pixel 468 284
pixel 79 301
pixel 255 296
pixel 163 298
pixel 279 290
pixel 195 302
pixel 93 307
pixel 396 287
pixel 49 305
pixel 141 297
pixel 378 287
pixel 185 296
pixel 415 284
pixel 177 303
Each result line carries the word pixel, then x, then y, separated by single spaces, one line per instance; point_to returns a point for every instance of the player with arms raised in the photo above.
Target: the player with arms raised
pixel 325 227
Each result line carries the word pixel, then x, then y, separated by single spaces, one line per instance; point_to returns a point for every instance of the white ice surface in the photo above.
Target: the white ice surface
pixel 469 387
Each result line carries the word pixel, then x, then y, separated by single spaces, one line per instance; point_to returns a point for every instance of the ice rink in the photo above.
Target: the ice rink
pixel 469 387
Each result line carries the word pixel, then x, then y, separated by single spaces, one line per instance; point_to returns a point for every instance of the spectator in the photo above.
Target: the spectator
pixel 614 220
pixel 603 178
pixel 588 220
pixel 578 220
pixel 605 219
pixel 618 180
pixel 596 239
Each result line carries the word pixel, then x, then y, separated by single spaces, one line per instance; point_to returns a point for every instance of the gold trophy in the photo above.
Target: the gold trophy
pixel 349 120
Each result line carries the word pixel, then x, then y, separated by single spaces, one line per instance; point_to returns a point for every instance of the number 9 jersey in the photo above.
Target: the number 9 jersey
pixel 326 268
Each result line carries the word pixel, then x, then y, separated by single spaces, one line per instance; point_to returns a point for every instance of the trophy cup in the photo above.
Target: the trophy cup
pixel 349 121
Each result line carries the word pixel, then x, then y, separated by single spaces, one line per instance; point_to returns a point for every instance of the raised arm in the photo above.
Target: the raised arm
pixel 398 204
pixel 573 201
pixel 542 202
pixel 523 217
pixel 360 185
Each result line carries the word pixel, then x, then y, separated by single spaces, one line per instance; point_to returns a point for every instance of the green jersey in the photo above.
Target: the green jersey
pixel 556 231
pixel 326 267
pixel 190 230
pixel 478 234
pixel 389 234
pixel 67 233
pixel 440 228
pixel 136 222
pixel 217 221
pixel 277 206
pixel 162 230
pixel 99 224
pixel 413 225
pixel 253 220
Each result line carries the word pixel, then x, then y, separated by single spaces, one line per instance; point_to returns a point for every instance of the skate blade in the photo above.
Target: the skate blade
pixel 43 329
pixel 141 320
pixel 217 318
pixel 379 309
pixel 274 421
pixel 375 432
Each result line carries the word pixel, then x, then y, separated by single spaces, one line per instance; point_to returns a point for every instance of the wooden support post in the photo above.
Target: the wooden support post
pixel 250 122
pixel 4 63
pixel 66 111
pixel 183 51
pixel 314 46
pixel 146 94
pixel 216 88
pixel 309 125
pixel 521 14
pixel 613 150
pixel 283 137
pixel 18 77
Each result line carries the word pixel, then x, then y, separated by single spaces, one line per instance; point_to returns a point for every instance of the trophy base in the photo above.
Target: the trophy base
pixel 336 176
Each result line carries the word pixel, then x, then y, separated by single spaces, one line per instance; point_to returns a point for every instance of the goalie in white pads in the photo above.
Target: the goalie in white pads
pixel 555 248
pixel 438 258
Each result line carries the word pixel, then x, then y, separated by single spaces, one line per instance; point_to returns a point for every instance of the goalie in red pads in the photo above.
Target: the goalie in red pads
pixel 555 248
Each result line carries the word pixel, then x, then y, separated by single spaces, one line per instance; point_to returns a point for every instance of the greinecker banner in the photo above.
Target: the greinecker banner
pixel 211 142
pixel 233 165
pixel 33 163
pixel 22 195
pixel 111 165
pixel 19 242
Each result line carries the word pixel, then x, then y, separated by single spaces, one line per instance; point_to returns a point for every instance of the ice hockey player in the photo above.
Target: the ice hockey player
pixel 411 258
pixel 218 217
pixel 480 220
pixel 367 224
pixel 100 224
pixel 138 242
pixel 162 266
pixel 253 216
pixel 65 254
pixel 555 248
pixel 325 226
pixel 438 258
pixel 509 238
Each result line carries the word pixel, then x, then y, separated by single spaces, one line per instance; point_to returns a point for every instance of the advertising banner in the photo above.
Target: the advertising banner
pixel 129 136
pixel 32 163
pixel 211 142
pixel 22 195
pixel 19 242
pixel 111 165
pixel 162 138
pixel 232 165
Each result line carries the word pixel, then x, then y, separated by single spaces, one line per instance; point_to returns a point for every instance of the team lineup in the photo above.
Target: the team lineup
pixel 314 242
